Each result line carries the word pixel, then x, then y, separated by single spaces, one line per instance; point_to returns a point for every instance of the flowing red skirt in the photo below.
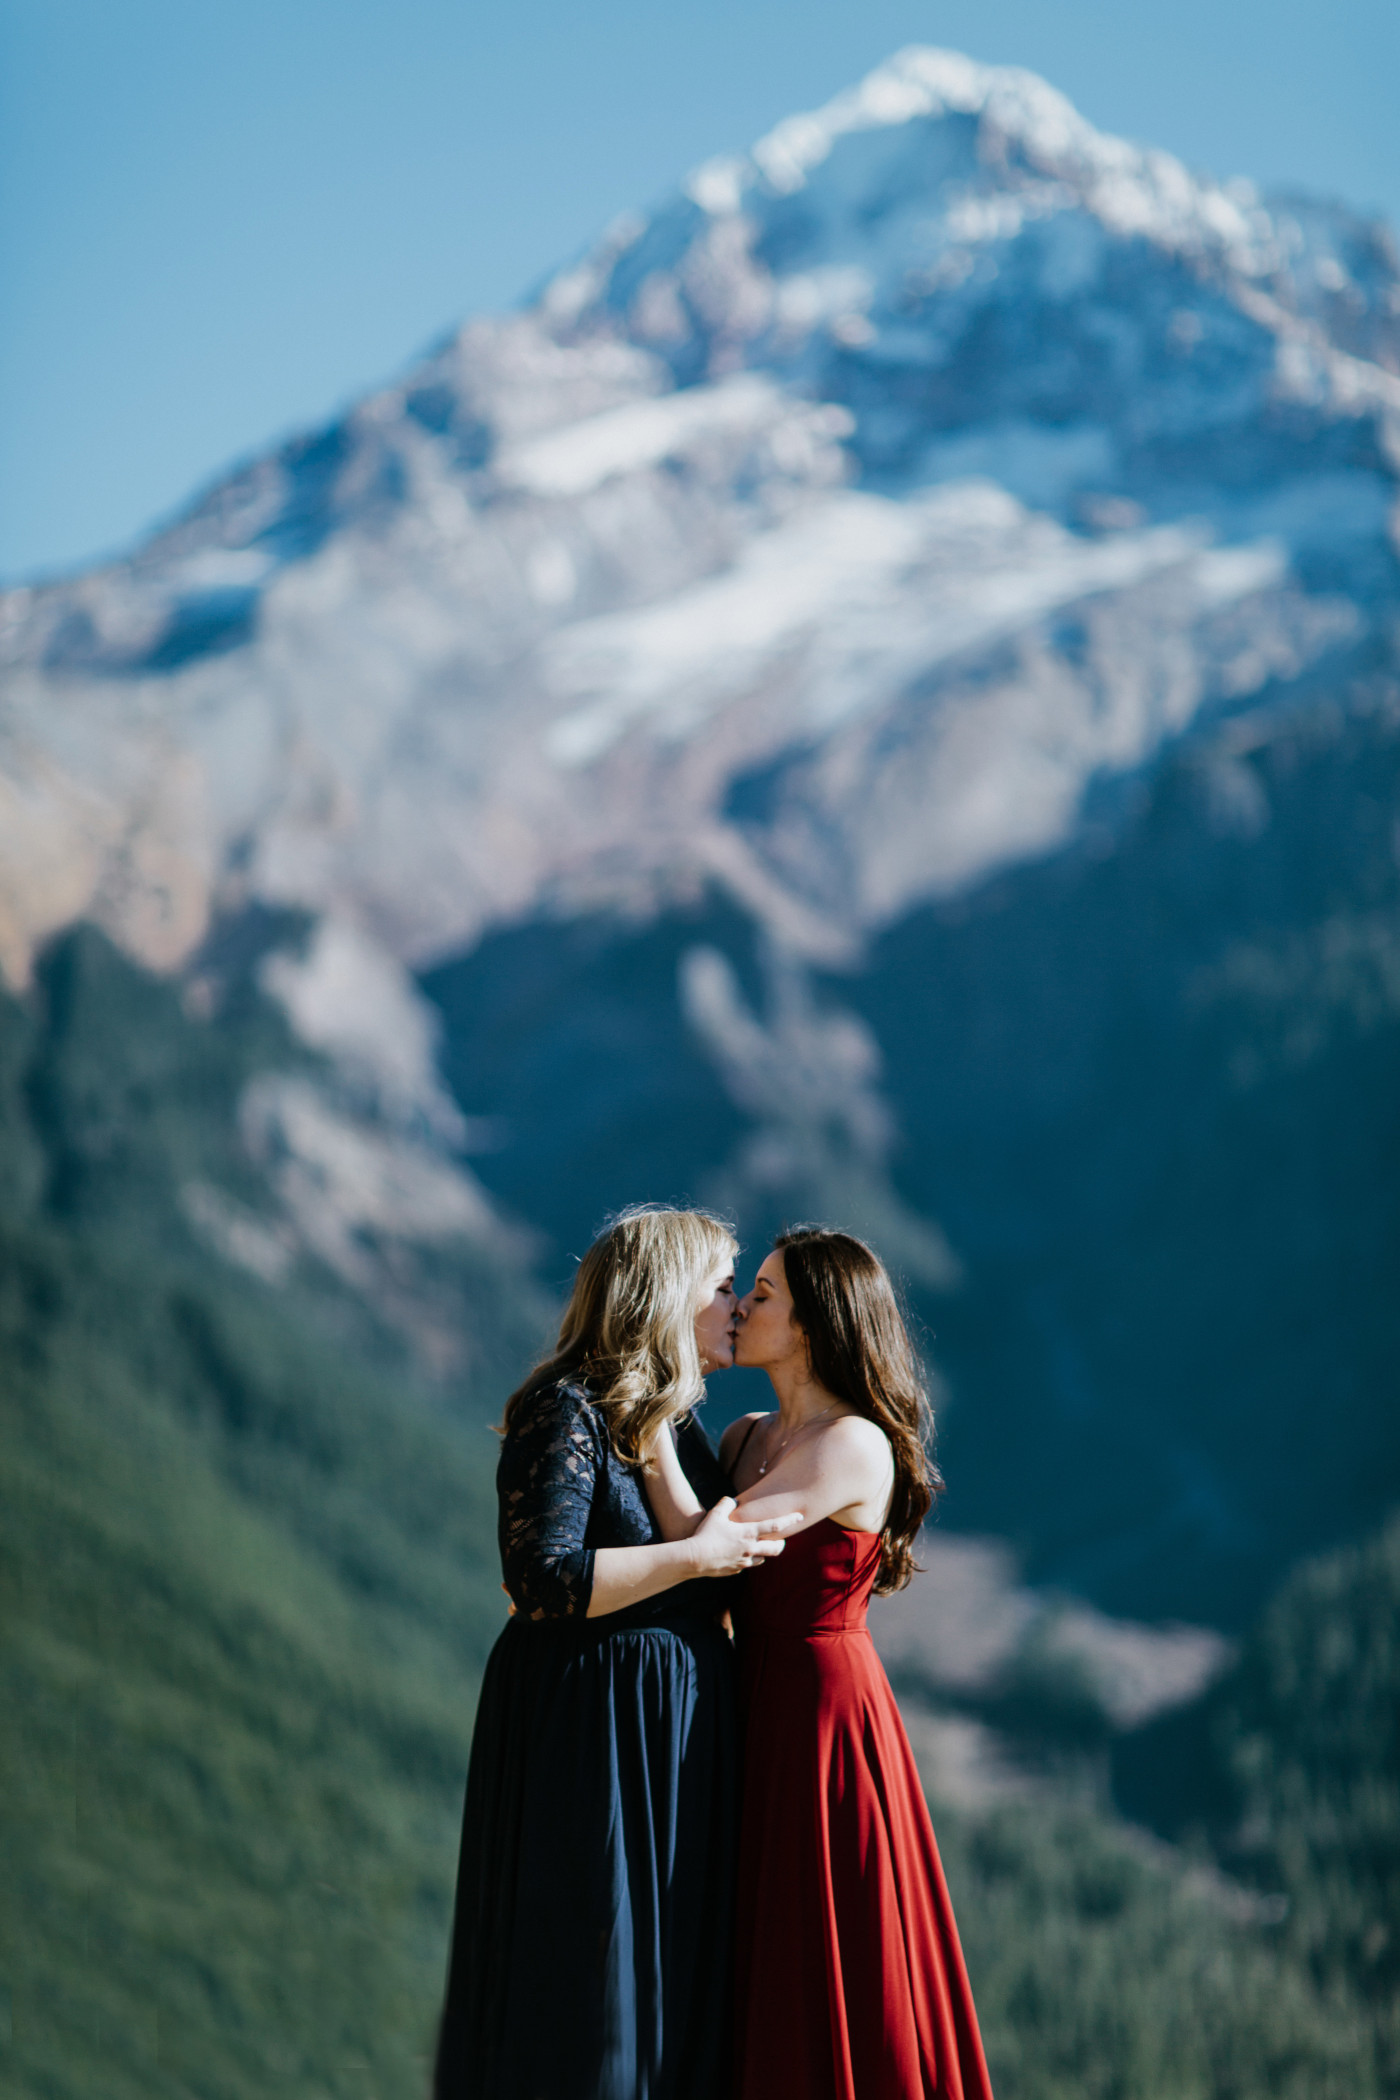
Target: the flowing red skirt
pixel 851 1983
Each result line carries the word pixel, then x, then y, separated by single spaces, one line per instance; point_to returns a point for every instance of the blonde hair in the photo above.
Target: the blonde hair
pixel 628 1330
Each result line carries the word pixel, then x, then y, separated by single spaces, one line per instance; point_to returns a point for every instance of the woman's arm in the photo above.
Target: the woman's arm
pixel 674 1503
pixel 545 1483
pixel 546 1480
pixel 705 1543
pixel 845 1469
pixel 721 1544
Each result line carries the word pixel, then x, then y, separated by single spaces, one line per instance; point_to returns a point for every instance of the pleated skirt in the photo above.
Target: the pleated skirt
pixel 591 1946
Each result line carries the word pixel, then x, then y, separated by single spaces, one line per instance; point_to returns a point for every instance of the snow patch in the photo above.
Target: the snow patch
pixel 674 662
pixel 872 592
pixel 806 300
pixel 349 998
pixel 1226 573
pixel 579 458
pixel 221 568
pixel 718 186
pixel 340 1176
pixel 550 573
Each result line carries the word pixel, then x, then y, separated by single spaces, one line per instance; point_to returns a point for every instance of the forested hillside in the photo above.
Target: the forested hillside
pixel 248 1578
pixel 1289 1770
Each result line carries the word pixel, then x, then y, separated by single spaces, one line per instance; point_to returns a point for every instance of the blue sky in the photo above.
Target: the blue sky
pixel 221 219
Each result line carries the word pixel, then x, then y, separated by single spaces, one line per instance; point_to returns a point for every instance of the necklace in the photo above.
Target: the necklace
pixel 792 1438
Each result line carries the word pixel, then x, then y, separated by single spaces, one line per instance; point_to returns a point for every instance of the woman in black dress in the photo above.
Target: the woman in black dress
pixel 591 1944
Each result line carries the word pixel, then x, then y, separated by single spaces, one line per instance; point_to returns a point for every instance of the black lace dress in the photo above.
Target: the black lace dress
pixel 591 1943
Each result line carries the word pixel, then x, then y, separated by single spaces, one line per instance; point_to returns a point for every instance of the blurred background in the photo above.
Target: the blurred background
pixel 856 676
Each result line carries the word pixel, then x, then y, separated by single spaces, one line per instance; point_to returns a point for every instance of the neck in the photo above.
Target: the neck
pixel 798 1395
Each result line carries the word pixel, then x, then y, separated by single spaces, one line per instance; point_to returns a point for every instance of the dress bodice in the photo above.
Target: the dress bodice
pixel 819 1584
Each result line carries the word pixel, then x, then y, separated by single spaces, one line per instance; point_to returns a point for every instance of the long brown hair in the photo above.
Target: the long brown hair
pixel 860 1351
pixel 628 1331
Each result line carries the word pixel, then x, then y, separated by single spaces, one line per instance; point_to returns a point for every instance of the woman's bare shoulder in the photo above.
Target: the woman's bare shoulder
pixel 854 1440
pixel 734 1435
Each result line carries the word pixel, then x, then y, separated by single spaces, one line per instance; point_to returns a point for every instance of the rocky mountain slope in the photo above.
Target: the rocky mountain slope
pixel 874 692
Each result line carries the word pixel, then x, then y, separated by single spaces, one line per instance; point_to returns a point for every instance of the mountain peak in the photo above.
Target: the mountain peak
pixel 932 178
pixel 1022 130
pixel 939 408
pixel 922 82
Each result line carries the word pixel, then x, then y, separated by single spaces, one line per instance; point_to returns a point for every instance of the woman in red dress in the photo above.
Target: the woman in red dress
pixel 850 1982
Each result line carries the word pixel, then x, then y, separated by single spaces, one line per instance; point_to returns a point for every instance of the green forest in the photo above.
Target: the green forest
pixel 248 1581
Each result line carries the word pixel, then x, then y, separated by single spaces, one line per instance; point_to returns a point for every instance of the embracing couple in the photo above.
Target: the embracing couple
pixel 673 1885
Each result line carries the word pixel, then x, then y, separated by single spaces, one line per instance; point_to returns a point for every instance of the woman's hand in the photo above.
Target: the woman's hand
pixel 720 1545
pixel 626 1575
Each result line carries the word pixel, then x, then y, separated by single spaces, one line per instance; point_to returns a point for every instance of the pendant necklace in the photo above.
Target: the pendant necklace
pixel 793 1437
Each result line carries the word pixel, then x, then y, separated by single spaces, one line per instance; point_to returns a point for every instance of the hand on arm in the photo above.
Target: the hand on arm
pixel 723 1543
pixel 547 1479
pixel 842 1470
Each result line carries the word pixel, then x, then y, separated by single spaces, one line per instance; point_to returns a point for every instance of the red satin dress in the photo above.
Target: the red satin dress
pixel 851 1983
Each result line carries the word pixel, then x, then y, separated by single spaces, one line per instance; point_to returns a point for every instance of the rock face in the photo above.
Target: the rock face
pixel 698 673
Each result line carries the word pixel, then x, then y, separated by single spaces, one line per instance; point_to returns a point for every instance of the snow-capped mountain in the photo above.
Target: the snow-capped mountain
pixel 809 469
pixel 882 518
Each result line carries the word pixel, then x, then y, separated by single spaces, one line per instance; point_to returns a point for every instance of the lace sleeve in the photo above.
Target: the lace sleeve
pixel 545 1482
